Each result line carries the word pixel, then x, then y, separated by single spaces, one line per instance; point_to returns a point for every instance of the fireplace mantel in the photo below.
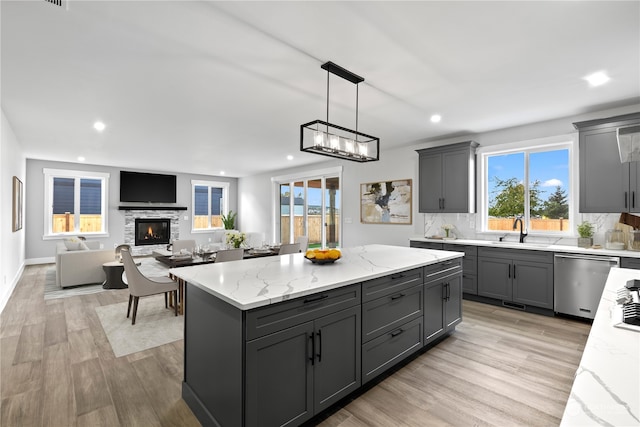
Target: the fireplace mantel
pixel 152 208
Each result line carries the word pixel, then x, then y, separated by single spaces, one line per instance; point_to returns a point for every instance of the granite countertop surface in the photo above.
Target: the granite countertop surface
pixel 606 388
pixel 257 282
pixel 549 247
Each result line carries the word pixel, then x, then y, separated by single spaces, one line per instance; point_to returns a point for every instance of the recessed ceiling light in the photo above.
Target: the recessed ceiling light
pixel 221 172
pixel 289 157
pixel 597 79
pixel 99 126
pixel 81 159
pixel 436 118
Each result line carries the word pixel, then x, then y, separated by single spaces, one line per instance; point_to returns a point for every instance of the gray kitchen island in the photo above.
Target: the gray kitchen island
pixel 275 341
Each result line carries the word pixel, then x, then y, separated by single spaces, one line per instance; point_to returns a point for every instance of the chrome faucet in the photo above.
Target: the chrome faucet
pixel 522 234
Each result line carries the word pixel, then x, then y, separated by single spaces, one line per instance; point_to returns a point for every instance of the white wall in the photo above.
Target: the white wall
pixel 255 193
pixel 12 244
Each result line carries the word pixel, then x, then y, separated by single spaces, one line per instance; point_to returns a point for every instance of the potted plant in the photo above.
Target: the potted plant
pixel 229 220
pixel 585 231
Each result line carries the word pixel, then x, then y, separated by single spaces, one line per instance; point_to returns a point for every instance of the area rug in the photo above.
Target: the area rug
pixel 53 291
pixel 148 266
pixel 155 325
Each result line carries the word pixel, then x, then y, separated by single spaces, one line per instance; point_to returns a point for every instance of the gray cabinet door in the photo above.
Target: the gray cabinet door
pixel 434 325
pixel 453 302
pixel 634 187
pixel 455 182
pixel 470 284
pixel 337 366
pixel 604 181
pixel 494 278
pixel 279 381
pixel 430 183
pixel 533 283
pixel 630 263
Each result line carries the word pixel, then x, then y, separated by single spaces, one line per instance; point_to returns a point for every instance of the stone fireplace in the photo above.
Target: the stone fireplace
pixel 171 216
pixel 152 231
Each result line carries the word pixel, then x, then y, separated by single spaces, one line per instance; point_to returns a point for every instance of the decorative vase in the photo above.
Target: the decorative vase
pixel 585 242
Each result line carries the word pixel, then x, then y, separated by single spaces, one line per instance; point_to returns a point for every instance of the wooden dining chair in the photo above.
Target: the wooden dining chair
pixel 289 248
pixel 230 255
pixel 142 286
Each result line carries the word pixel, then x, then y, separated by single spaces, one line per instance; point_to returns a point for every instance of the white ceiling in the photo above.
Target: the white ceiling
pixel 203 87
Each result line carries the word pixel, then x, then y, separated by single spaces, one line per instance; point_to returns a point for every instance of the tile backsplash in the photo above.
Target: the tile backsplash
pixel 465 228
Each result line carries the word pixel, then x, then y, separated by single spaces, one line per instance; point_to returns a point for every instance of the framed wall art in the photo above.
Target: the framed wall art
pixel 17 204
pixel 386 202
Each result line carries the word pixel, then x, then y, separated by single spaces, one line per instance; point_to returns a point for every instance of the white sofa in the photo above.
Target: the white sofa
pixel 81 267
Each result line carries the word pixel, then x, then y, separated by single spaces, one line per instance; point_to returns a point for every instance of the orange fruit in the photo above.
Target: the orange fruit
pixel 334 254
pixel 310 254
pixel 321 255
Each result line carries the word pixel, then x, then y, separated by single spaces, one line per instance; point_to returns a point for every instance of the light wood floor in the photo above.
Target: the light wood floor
pixel 501 367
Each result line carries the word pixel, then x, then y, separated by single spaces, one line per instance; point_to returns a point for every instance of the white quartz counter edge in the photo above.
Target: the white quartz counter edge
pixel 532 246
pixel 257 282
pixel 606 388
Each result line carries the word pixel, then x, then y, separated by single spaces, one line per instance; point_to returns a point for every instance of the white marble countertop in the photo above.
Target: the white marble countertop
pixel 256 282
pixel 532 246
pixel 606 389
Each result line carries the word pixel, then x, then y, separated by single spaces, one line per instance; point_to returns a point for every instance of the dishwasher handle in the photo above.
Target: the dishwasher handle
pixel 616 260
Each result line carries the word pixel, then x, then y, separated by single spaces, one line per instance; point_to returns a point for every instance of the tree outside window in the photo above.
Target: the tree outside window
pixel 532 185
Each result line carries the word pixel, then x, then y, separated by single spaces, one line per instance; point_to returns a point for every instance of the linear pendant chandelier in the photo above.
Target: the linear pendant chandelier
pixel 327 139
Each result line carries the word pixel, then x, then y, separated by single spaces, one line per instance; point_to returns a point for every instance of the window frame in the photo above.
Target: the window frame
pixel 225 202
pixel 559 142
pixel 49 176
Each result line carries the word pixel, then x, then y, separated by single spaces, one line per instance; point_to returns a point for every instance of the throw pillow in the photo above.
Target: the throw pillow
pixel 72 244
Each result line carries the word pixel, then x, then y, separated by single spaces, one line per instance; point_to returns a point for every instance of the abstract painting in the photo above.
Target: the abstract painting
pixel 386 202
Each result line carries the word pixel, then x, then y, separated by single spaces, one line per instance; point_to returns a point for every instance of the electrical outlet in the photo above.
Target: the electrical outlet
pixel 348 220
pixel 209 239
pixel 186 217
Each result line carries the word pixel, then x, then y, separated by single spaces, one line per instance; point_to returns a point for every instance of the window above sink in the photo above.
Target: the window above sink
pixel 533 180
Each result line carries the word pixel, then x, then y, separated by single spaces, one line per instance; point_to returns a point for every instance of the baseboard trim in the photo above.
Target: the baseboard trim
pixel 36 261
pixel 12 287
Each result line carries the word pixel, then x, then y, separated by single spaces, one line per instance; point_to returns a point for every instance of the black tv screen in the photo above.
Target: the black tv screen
pixel 147 187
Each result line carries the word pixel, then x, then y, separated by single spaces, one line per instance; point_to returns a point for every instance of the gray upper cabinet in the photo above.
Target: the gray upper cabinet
pixel 447 178
pixel 606 184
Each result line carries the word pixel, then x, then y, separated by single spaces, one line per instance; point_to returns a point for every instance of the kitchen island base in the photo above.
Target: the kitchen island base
pixel 285 363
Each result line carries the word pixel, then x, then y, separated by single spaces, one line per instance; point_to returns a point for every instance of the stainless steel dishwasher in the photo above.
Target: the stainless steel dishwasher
pixel 578 282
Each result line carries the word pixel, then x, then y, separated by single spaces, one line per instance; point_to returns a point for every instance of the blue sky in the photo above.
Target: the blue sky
pixel 551 168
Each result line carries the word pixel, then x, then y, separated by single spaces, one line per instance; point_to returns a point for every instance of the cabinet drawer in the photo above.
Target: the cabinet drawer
pixel 468 250
pixel 392 284
pixel 385 351
pixel 425 245
pixel 387 313
pixel 517 254
pixel 266 320
pixel 433 272
pixel 630 263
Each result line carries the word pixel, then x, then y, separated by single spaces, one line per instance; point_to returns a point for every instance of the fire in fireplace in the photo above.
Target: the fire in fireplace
pixel 152 231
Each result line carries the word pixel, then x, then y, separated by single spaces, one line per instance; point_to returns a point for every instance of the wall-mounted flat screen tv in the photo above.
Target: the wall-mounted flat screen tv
pixel 147 187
